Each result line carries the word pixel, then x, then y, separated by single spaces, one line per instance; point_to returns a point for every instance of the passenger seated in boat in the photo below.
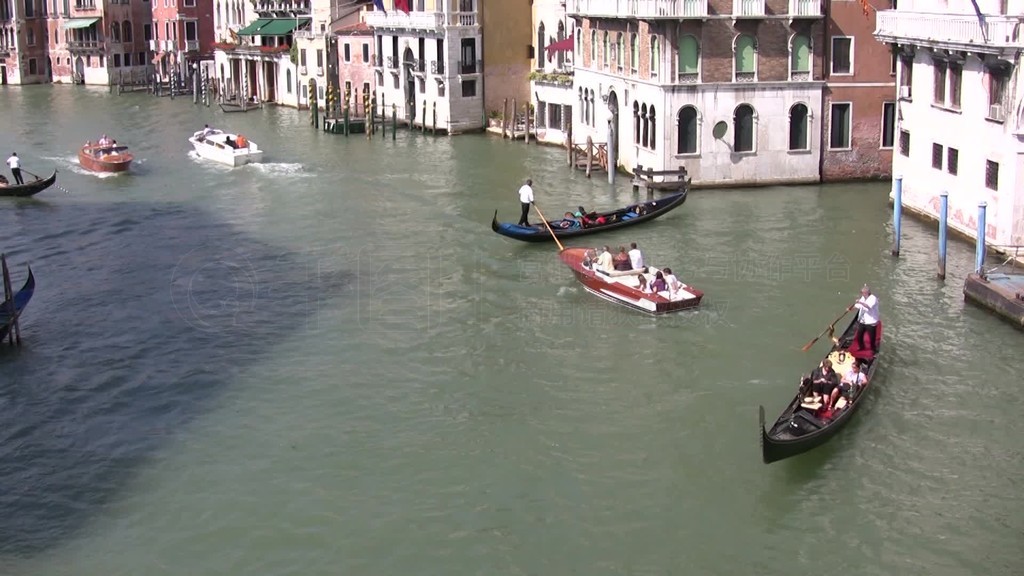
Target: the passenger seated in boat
pixel 621 260
pixel 230 143
pixel 674 285
pixel 604 261
pixel 852 381
pixel 104 141
pixel 643 287
pixel 659 284
pixel 824 381
pixel 568 221
pixel 3 180
pixel 242 142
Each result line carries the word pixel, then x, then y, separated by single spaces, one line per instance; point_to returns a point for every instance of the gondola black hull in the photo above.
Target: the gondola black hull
pixel 798 430
pixel 29 189
pixel 21 299
pixel 616 219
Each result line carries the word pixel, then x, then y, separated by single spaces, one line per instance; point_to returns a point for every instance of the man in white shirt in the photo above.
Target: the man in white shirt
pixel 14 163
pixel 604 261
pixel 636 259
pixel 525 200
pixel 867 319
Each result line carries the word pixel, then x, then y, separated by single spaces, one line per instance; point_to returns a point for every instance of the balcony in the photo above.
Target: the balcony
pixel 85 7
pixel 951 31
pixel 805 9
pixel 462 19
pixel 748 8
pixel 192 45
pixel 437 67
pixel 392 63
pixel 651 9
pixel 85 46
pixel 154 45
pixel 398 20
pixel 471 67
pixel 419 66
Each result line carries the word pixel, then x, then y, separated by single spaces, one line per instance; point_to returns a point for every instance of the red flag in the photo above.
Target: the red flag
pixel 402 5
pixel 866 6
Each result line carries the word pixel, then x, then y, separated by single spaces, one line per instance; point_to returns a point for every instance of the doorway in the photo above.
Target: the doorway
pixel 408 64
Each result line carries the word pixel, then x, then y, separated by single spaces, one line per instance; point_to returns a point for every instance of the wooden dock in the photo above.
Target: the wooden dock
pixel 1000 289
pixel 589 157
pixel 660 180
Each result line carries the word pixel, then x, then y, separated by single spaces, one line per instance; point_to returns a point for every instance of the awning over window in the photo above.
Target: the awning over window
pixel 75 23
pixel 272 27
pixel 563 45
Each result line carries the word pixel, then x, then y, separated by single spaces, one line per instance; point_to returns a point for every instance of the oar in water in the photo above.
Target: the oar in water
pixel 548 226
pixel 37 177
pixel 829 328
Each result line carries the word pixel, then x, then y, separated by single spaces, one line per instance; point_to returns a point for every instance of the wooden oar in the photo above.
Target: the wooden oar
pixel 58 186
pixel 831 326
pixel 548 226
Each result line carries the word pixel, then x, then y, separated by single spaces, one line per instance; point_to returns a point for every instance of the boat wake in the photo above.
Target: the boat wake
pixel 291 169
pixel 70 164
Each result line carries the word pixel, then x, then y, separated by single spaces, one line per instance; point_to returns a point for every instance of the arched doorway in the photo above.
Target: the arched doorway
pixel 613 131
pixel 79 71
pixel 408 63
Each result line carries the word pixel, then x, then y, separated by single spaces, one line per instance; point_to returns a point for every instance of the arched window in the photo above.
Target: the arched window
pixel 743 129
pixel 604 53
pixel 593 48
pixel 689 58
pixel 588 101
pixel 618 51
pixel 115 32
pixel 634 52
pixel 746 58
pixel 655 56
pixel 560 56
pixel 653 126
pixel 686 128
pixel 636 122
pixel 798 127
pixel 645 132
pixel 583 105
pixel 126 30
pixel 593 115
pixel 541 39
pixel 287 78
pixel 800 57
pixel 220 21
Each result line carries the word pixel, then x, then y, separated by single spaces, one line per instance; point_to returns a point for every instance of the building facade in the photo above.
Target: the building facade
pixel 316 56
pixel 730 89
pixel 24 39
pixel 860 82
pixel 551 89
pixel 355 62
pixel 183 34
pixel 960 111
pixel 97 42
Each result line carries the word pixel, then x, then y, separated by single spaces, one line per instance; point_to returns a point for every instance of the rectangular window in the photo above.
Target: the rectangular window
pixel 302 57
pixel 319 58
pixel 33 67
pixel 952 160
pixel 937 156
pixel 839 134
pixel 888 124
pixel 142 59
pixel 127 58
pixel 366 51
pixel 30 37
pixel 366 89
pixel 996 90
pixel 939 68
pixel 894 62
pixel 842 55
pixel 906 77
pixel 904 143
pixel 991 175
pixel 191 33
pixel 468 88
pixel 147 32
pixel 347 53
pixel 117 60
pixel 30 8
pixel 188 3
pixel 956 72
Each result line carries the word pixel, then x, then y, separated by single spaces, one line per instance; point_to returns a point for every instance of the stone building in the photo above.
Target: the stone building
pixel 24 37
pixel 551 89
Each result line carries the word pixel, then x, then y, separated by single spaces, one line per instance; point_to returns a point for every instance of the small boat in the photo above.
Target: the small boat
pixel 29 188
pixel 20 301
pixel 223 147
pixel 622 287
pixel 596 222
pixel 803 425
pixel 229 107
pixel 105 158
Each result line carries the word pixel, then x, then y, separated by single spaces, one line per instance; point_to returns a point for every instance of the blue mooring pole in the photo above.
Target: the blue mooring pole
pixel 979 257
pixel 897 214
pixel 943 217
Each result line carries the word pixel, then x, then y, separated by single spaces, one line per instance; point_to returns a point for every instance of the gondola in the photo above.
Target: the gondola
pixel 21 299
pixel 803 426
pixel 29 188
pixel 628 216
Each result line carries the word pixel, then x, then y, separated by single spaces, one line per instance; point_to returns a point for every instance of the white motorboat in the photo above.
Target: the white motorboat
pixel 230 149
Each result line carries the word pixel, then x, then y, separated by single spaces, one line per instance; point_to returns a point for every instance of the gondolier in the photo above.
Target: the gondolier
pixel 14 163
pixel 867 319
pixel 525 200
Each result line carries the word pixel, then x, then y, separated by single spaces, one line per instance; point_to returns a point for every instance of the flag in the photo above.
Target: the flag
pixel 866 7
pixel 981 20
pixel 402 5
pixel 379 5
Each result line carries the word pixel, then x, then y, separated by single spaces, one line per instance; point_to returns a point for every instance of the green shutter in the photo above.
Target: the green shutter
pixel 801 53
pixel 744 54
pixel 688 55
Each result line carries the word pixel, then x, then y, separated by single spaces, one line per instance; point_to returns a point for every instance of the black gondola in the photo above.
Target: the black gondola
pixel 802 426
pixel 20 299
pixel 29 188
pixel 628 216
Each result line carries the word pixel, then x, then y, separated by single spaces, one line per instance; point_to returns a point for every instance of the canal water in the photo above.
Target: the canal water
pixel 328 364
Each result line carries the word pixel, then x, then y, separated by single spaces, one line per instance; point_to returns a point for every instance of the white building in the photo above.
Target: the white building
pixel 960 119
pixel 230 16
pixel 316 56
pixel 551 89
pixel 430 58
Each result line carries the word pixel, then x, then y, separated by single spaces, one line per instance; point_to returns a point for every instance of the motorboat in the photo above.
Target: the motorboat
pixel 225 148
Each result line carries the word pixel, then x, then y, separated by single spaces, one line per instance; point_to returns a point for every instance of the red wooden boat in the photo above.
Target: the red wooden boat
pixel 622 287
pixel 105 158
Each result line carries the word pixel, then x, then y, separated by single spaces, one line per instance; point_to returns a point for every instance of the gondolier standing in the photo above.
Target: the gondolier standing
pixel 525 199
pixel 867 319
pixel 15 165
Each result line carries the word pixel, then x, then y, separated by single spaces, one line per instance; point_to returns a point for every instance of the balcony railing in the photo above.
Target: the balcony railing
pixel 396 19
pixel 471 67
pixel 747 8
pixel 437 67
pixel 85 6
pixel 949 29
pixel 392 63
pixel 805 9
pixel 419 65
pixel 191 45
pixel 154 45
pixel 669 9
pixel 462 19
pixel 85 45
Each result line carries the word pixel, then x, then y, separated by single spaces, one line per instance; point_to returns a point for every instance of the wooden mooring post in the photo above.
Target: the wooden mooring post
pixel 14 334
pixel 569 144
pixel 394 121
pixel 526 136
pixel 504 118
pixel 433 129
pixel 590 154
pixel 512 126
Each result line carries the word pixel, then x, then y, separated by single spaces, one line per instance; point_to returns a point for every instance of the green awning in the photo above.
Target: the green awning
pixel 251 29
pixel 272 26
pixel 75 23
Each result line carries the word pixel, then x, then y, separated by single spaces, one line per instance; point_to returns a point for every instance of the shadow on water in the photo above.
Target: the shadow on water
pixel 142 315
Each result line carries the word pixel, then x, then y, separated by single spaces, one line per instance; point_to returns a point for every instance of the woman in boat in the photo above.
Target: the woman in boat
pixel 568 221
pixel 659 284
pixel 643 287
pixel 621 260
